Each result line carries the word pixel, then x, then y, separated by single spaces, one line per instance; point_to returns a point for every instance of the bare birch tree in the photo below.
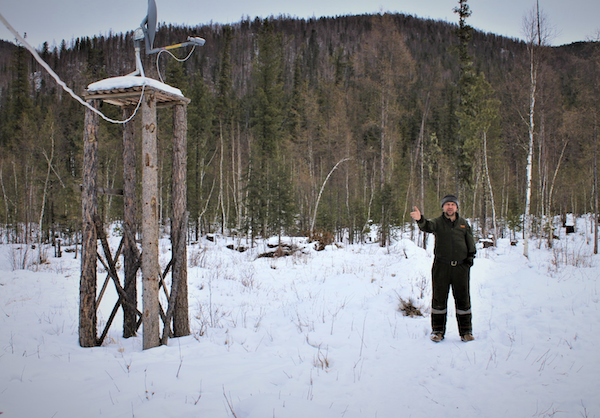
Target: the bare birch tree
pixel 537 34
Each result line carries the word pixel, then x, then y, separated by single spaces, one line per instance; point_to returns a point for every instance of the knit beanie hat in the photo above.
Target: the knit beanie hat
pixel 449 198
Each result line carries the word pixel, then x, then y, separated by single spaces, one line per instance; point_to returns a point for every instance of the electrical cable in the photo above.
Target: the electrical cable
pixel 61 83
pixel 172 55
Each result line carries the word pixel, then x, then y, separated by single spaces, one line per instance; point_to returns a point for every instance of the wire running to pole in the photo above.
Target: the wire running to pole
pixel 62 83
pixel 174 57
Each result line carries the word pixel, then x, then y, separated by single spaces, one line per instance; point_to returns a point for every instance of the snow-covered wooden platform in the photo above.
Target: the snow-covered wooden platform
pixel 126 91
pixel 145 94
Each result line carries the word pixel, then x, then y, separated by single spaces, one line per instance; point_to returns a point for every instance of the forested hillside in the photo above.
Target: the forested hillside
pixel 390 101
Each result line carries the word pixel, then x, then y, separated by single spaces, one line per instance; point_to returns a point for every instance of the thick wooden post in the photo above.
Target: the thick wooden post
pixel 89 244
pixel 150 266
pixel 181 325
pixel 129 224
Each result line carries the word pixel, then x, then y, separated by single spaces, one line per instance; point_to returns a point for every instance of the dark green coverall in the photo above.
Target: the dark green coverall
pixel 454 252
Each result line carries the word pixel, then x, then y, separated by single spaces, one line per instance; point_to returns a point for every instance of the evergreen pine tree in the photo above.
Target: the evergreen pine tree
pixel 19 102
pixel 464 164
pixel 200 149
pixel 268 197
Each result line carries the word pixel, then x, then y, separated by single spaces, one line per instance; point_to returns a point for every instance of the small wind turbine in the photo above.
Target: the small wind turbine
pixel 147 31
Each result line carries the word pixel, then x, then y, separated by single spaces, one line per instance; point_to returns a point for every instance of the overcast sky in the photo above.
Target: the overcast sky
pixel 54 20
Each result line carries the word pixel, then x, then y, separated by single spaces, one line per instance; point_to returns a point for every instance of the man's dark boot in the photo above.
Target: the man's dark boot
pixel 465 328
pixel 438 327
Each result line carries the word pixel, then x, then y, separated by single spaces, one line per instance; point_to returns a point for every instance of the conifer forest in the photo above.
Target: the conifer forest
pixel 328 126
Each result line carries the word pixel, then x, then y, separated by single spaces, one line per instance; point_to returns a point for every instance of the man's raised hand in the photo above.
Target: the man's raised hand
pixel 416 214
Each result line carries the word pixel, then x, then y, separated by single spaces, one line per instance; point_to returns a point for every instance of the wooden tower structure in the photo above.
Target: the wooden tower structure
pixel 127 92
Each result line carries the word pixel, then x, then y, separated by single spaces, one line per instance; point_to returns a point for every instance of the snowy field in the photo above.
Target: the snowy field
pixel 316 334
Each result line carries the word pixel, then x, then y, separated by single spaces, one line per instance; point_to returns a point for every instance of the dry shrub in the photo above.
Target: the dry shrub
pixel 197 257
pixel 408 308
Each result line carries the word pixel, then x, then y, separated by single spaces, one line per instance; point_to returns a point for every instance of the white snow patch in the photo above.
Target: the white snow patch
pixel 128 81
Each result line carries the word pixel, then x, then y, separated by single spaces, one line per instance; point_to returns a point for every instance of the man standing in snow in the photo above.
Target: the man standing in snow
pixel 454 252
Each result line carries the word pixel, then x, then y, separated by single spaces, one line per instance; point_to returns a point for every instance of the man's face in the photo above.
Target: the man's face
pixel 450 209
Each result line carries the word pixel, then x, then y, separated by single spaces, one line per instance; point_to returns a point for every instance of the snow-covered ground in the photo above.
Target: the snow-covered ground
pixel 316 334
